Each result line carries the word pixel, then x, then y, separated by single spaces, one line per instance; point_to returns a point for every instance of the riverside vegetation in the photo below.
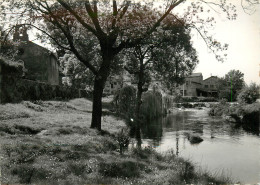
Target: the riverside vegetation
pixel 49 142
pixel 245 112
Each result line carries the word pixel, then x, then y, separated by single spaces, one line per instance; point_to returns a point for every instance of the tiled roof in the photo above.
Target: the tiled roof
pixel 195 74
pixel 210 77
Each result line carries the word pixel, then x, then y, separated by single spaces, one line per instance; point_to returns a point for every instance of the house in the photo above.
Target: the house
pixel 195 86
pixel 210 86
pixel 191 84
pixel 113 83
pixel 40 64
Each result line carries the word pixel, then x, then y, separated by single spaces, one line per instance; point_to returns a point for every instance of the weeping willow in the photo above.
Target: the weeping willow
pixel 152 105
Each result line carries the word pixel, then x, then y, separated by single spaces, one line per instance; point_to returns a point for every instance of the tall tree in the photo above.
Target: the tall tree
pixel 235 81
pixel 175 58
pixel 231 84
pixel 115 25
pixel 166 56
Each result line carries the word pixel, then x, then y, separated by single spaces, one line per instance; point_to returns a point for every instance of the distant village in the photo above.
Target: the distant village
pixel 41 65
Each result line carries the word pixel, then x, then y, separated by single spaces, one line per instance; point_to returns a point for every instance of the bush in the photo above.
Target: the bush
pixel 123 139
pixel 16 89
pixel 249 94
pixel 219 109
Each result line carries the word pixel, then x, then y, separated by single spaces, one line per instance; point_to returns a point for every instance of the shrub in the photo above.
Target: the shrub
pixel 123 139
pixel 249 94
pixel 219 109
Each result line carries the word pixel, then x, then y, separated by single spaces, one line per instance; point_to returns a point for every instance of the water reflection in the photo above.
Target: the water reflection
pixel 153 130
pixel 225 146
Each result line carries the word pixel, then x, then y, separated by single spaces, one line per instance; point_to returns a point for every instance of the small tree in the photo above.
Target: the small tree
pixel 249 94
pixel 231 85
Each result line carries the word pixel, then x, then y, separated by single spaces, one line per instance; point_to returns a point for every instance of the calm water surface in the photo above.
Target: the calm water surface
pixel 225 148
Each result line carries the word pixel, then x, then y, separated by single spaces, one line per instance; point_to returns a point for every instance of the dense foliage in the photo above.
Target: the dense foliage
pixel 249 94
pixel 124 101
pixel 151 105
pixel 231 85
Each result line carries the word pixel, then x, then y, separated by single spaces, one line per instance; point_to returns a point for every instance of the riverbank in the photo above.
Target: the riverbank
pixel 50 142
pixel 245 115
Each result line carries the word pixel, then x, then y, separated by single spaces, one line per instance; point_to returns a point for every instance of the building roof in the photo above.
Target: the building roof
pixel 195 75
pixel 210 77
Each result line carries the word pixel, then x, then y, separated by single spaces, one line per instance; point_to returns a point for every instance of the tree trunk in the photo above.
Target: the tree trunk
pixel 137 113
pixel 99 84
pixel 97 105
pixel 138 106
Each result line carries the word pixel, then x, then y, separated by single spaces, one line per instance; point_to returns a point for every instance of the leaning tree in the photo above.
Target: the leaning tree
pixel 113 25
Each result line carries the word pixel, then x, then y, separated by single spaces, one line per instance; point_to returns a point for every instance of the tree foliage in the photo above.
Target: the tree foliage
pixel 249 94
pixel 231 85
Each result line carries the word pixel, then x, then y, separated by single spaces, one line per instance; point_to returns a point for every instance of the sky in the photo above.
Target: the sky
pixel 243 37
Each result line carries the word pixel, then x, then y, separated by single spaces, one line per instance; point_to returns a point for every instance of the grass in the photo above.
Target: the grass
pixel 53 144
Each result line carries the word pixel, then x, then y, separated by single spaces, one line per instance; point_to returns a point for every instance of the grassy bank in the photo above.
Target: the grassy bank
pixel 246 115
pixel 50 142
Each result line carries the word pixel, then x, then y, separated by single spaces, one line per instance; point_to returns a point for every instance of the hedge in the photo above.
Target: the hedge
pixel 15 89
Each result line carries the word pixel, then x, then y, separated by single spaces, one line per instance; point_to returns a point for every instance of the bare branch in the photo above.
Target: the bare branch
pixel 87 26
pixel 94 18
pixel 115 12
pixel 55 40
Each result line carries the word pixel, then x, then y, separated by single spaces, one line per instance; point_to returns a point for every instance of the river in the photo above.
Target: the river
pixel 225 149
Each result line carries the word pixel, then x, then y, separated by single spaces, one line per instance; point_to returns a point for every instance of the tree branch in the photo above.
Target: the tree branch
pixel 94 18
pixel 115 12
pixel 55 40
pixel 69 38
pixel 130 71
pixel 87 26
pixel 128 44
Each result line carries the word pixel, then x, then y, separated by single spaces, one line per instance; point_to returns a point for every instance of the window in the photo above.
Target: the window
pixel 212 86
pixel 206 86
pixel 112 86
pixel 187 82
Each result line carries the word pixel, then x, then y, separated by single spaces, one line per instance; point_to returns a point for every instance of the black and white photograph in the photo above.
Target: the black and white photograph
pixel 131 92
